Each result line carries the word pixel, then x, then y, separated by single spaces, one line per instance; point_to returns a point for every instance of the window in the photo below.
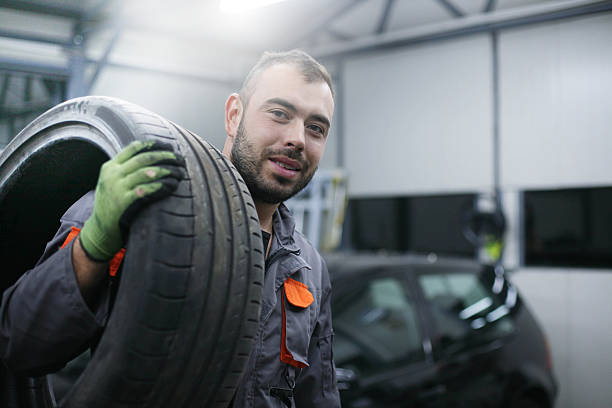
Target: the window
pixel 419 224
pixel 466 309
pixel 376 326
pixel 571 227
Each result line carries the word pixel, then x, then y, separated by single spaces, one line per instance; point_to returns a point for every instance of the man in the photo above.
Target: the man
pixel 276 132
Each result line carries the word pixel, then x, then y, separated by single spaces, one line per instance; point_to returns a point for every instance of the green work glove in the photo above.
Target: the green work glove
pixel 143 172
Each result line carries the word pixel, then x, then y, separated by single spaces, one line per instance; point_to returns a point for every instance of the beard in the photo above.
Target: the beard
pixel 250 166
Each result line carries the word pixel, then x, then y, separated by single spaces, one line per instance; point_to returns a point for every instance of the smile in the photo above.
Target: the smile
pixel 286 166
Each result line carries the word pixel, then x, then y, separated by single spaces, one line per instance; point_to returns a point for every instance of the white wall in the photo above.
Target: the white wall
pixel 556 131
pixel 575 310
pixel 419 120
pixel 556 115
pixel 195 105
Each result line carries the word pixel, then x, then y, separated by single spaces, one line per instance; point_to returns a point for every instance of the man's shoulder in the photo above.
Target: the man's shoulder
pixel 307 250
pixel 287 225
pixel 81 209
pixel 318 268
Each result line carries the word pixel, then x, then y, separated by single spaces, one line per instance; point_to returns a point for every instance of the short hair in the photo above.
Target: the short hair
pixel 311 69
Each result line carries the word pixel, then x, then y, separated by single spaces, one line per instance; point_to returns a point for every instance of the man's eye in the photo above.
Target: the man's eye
pixel 279 114
pixel 317 129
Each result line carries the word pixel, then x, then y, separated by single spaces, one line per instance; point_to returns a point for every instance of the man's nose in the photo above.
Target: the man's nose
pixel 296 136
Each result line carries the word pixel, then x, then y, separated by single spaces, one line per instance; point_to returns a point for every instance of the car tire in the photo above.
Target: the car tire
pixel 187 308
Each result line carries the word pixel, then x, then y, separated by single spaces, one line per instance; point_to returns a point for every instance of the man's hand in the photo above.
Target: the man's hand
pixel 143 172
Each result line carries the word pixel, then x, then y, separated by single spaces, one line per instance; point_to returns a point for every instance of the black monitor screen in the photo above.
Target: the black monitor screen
pixel 419 224
pixel 571 227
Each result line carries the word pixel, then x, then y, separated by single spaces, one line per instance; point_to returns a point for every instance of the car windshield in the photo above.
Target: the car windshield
pixel 375 322
pixel 468 306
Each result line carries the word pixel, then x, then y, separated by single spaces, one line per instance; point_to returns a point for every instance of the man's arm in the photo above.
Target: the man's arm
pixel 44 320
pixel 90 275
pixel 54 310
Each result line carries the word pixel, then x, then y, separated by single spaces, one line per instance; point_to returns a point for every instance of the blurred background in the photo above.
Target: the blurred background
pixel 448 112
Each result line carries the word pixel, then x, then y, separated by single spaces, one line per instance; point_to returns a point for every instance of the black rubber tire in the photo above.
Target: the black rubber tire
pixel 188 304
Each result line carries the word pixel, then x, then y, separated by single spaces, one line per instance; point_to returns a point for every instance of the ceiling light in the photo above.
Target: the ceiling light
pixel 238 6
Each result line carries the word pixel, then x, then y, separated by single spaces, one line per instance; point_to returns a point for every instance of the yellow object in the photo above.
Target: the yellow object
pixel 493 247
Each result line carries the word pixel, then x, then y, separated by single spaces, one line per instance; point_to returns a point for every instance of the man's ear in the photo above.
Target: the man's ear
pixel 233 114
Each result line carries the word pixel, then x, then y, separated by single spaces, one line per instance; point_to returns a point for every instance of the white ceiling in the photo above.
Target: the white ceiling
pixel 285 24
pixel 193 36
pixel 295 22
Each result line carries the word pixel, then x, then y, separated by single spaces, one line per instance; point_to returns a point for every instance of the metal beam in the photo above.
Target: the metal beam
pixel 104 60
pixel 76 81
pixel 499 204
pixel 27 90
pixel 17 35
pixel 496 116
pixel 328 20
pixel 338 35
pixel 120 26
pixel 217 78
pixel 340 100
pixel 451 8
pixel 479 23
pixel 47 70
pixel 46 7
pixel 76 64
pixel 5 85
pixel 63 73
pixel 384 18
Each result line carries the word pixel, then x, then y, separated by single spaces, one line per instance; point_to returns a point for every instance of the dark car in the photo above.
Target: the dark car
pixel 422 332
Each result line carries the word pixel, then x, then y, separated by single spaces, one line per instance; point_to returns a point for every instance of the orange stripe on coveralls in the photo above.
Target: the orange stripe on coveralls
pixel 114 264
pixel 74 231
pixel 285 355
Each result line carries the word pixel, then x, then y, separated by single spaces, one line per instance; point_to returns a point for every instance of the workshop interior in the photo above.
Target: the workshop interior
pixel 464 200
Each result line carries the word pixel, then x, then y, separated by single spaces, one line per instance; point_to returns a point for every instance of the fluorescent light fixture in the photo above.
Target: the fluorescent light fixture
pixel 238 6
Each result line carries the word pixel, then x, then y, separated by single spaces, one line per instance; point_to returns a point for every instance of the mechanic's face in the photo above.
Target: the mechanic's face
pixel 282 133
